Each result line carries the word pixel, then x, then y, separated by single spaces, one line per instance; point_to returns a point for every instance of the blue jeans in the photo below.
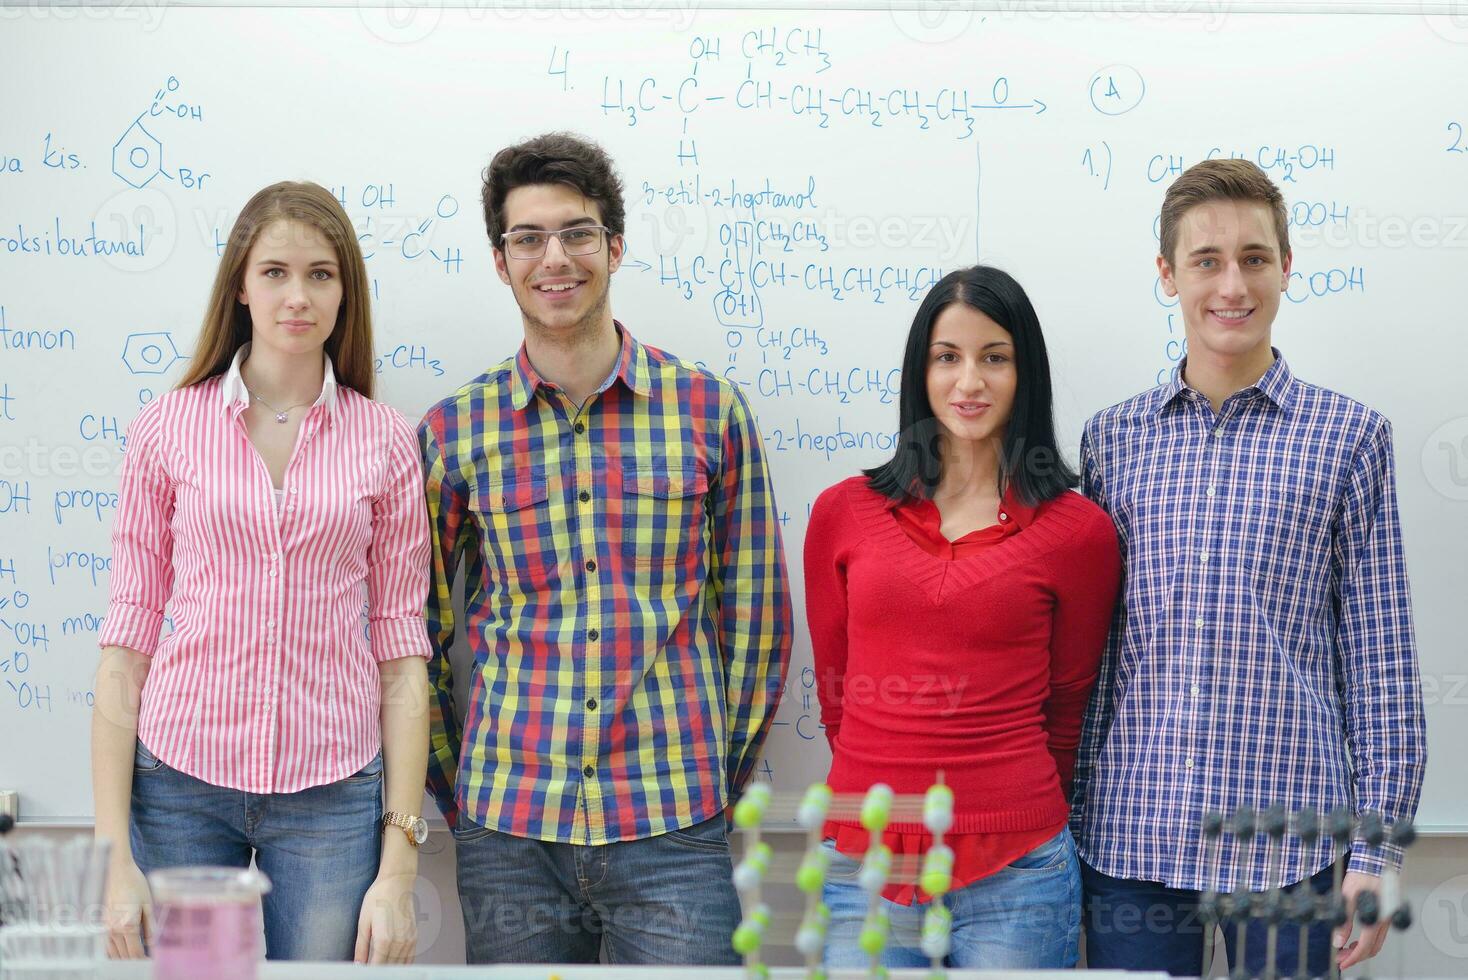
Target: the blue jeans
pixel 1027 916
pixel 318 847
pixel 1144 925
pixel 661 900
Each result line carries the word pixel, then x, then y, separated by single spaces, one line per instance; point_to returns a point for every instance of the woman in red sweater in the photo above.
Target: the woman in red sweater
pixel 959 598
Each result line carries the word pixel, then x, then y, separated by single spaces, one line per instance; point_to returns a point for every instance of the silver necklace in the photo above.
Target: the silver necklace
pixel 281 414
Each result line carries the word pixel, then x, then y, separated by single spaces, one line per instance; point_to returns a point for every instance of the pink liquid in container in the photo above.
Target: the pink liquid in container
pixel 207 923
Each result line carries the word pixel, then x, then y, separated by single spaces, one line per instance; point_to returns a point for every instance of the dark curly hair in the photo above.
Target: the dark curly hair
pixel 552 158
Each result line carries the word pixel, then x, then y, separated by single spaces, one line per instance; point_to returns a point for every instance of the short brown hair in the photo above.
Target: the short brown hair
pixel 227 321
pixel 553 158
pixel 1221 180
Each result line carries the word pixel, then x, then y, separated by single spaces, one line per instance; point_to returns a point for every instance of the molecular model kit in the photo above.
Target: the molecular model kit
pixel 1250 913
pixel 876 810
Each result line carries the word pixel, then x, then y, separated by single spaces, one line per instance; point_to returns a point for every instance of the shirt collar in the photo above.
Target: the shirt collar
pixel 1276 384
pixel 1014 514
pixel 631 367
pixel 233 391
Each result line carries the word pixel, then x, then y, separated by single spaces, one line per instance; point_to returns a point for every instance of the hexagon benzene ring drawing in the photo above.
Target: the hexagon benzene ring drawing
pixel 150 353
pixel 137 157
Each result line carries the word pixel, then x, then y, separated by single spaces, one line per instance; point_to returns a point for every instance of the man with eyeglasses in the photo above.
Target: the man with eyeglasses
pixel 626 601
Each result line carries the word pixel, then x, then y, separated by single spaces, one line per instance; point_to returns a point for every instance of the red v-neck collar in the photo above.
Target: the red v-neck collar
pixel 939 578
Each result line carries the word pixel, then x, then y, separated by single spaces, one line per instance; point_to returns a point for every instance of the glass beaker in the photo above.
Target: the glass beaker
pixel 207 922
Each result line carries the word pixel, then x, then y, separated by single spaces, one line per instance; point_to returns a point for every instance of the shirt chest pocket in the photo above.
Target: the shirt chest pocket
pixel 517 540
pixel 1291 537
pixel 663 515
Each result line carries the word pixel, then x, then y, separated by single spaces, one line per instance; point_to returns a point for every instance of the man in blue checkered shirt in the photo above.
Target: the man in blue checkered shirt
pixel 1263 651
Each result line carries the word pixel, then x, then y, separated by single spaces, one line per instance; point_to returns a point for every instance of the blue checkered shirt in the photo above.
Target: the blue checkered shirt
pixel 1263 649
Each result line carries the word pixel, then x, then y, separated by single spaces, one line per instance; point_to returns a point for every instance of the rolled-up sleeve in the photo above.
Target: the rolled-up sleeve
pixel 397 560
pixel 142 540
pixel 453 539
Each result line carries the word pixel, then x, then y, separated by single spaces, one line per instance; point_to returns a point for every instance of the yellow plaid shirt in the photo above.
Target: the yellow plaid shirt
pixel 625 593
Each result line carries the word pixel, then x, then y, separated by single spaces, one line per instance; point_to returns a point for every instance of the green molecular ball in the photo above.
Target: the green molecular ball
pixel 812 872
pixel 872 941
pixel 936 883
pixel 746 940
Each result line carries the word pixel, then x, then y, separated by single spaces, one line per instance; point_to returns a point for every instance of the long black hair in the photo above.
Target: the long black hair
pixel 1030 463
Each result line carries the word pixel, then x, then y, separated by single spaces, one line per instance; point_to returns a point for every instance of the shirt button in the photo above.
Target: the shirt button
pixel 272 573
pixel 1194 690
pixel 270 624
pixel 1003 516
pixel 584 497
pixel 1218 432
pixel 589 771
pixel 293 489
pixel 591 703
pixel 592 635
pixel 1198 622
pixel 1211 491
pixel 1203 556
pixel 1188 763
pixel 580 428
pixel 591 565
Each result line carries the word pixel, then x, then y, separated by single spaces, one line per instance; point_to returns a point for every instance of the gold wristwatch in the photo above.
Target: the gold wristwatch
pixel 414 828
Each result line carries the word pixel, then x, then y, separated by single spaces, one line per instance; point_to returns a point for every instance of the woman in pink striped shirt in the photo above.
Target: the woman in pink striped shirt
pixel 261 503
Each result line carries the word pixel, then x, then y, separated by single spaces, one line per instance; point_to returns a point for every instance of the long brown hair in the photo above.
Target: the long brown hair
pixel 226 325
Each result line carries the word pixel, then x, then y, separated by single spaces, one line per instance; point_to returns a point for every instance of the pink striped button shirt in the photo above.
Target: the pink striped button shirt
pixel 268 682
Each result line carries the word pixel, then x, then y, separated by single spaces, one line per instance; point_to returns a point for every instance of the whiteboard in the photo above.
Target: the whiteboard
pixel 795 179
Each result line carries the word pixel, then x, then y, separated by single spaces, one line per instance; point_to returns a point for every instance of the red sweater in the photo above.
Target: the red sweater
pixel 980 667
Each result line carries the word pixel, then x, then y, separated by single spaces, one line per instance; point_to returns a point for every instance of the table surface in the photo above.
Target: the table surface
pixel 141 970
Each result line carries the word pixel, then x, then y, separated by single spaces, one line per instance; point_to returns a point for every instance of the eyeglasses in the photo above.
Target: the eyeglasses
pixel 577 240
